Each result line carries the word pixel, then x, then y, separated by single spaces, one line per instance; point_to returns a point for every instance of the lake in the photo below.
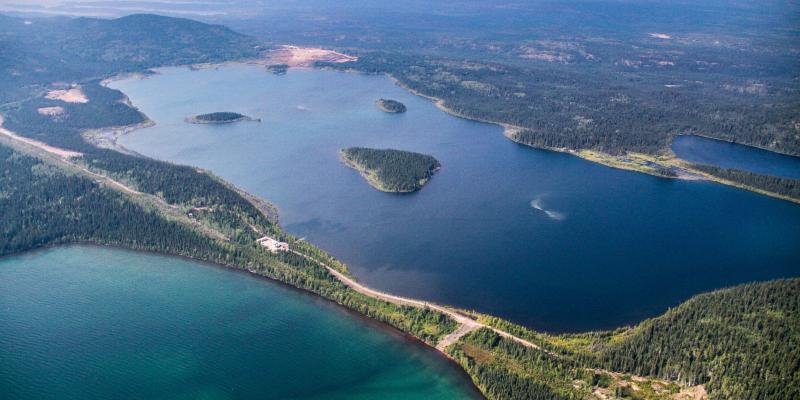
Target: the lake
pixel 84 322
pixel 703 150
pixel 542 238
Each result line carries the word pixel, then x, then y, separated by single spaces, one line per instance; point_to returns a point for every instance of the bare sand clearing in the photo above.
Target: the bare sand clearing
pixel 294 56
pixel 51 111
pixel 72 95
pixel 35 143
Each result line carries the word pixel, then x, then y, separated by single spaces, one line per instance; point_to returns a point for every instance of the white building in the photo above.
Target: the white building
pixel 273 245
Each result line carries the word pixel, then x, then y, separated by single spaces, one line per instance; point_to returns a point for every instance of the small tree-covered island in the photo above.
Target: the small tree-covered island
pixel 220 117
pixel 390 106
pixel 278 69
pixel 390 170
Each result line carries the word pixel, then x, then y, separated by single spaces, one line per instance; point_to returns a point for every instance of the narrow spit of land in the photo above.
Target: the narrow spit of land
pixel 64 158
pixel 466 324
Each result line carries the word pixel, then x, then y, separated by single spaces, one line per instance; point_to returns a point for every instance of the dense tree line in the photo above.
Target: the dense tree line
pixel 107 107
pixel 41 205
pixel 775 184
pixel 392 170
pixel 590 108
pixel 504 369
pixel 743 343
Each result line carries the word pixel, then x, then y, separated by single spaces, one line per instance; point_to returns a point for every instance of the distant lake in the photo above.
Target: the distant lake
pixel 543 238
pixel 96 323
pixel 703 150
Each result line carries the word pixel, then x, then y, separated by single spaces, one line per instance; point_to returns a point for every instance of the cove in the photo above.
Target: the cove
pixel 82 322
pixel 542 238
pixel 703 150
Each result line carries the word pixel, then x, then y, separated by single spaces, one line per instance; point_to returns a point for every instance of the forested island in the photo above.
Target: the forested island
pixel 741 342
pixel 390 170
pixel 390 106
pixel 220 117
pixel 278 69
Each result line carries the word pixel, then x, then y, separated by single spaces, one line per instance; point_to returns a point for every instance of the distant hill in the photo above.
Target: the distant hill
pixel 63 49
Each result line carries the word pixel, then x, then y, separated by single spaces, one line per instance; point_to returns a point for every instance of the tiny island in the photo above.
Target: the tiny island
pixel 278 69
pixel 221 117
pixel 389 170
pixel 390 106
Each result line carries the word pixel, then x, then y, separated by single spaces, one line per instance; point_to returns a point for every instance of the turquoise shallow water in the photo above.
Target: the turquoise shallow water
pixel 543 238
pixel 97 323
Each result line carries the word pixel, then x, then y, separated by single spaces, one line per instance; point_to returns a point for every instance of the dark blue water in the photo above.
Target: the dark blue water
pixel 703 150
pixel 96 323
pixel 542 238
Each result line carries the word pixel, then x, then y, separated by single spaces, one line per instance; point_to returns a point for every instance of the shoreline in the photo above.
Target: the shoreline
pixel 441 352
pixel 374 182
pixel 381 104
pixel 608 160
pixel 373 323
pixel 108 138
pixel 351 283
pixel 783 153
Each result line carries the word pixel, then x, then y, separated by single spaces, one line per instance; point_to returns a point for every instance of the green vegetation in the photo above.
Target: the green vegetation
pixel 66 50
pixel 42 204
pixel 557 69
pixel 504 369
pixel 781 186
pixel 741 342
pixel 390 106
pixel 390 170
pixel 220 117
pixel 561 108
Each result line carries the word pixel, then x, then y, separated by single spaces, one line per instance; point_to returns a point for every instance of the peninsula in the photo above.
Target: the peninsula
pixel 390 106
pixel 146 204
pixel 221 117
pixel 390 170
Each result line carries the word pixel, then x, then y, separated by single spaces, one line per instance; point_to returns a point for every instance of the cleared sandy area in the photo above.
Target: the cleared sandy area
pixel 72 95
pixel 51 111
pixel 294 56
